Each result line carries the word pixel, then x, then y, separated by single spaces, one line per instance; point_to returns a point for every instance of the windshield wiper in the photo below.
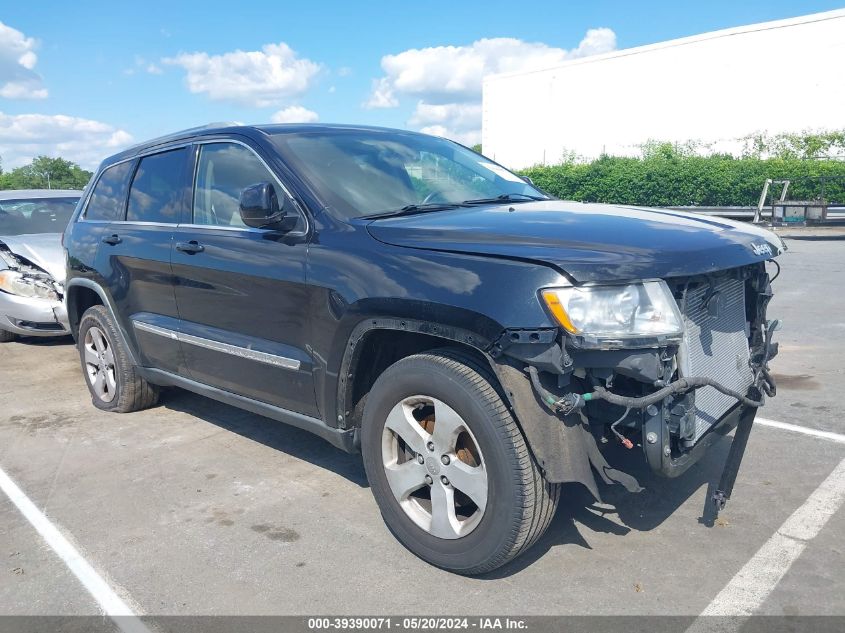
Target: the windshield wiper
pixel 411 209
pixel 506 197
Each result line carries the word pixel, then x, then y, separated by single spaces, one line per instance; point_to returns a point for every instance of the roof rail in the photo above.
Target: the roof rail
pixel 166 137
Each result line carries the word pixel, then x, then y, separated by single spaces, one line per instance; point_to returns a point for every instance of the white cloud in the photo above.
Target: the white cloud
pixel 457 121
pixel 462 116
pixel 456 72
pixel 595 42
pixel 153 69
pixel 468 138
pixel 382 95
pixel 447 80
pixel 18 79
pixel 83 141
pixel 256 78
pixel 295 114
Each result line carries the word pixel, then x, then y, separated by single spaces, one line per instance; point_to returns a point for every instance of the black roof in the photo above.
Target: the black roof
pixel 271 129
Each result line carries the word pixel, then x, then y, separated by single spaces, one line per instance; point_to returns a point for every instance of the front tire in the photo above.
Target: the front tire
pixel 449 467
pixel 113 381
pixel 7 337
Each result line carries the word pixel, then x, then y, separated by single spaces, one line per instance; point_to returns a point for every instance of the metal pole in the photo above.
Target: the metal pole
pixel 762 201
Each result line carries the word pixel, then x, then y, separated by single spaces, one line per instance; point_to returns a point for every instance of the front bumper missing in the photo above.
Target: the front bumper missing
pixel 658 448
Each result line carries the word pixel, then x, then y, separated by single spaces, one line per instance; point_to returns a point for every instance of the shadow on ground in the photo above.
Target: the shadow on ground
pixel 276 435
pixel 44 341
pixel 623 512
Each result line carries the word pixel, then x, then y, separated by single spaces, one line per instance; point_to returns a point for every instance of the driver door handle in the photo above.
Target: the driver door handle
pixel 112 239
pixel 191 248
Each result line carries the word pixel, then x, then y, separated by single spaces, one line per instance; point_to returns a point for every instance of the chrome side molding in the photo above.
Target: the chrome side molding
pixel 218 346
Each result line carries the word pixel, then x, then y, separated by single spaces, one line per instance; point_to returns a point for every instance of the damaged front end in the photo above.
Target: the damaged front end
pixel 672 393
pixel 31 298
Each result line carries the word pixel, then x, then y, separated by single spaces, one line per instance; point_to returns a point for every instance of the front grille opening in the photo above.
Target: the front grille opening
pixel 715 345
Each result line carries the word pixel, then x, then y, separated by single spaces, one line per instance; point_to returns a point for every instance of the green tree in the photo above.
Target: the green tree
pixel 806 144
pixel 45 172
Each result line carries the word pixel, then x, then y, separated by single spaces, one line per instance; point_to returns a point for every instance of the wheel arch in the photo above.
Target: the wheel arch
pixel 377 343
pixel 561 448
pixel 82 294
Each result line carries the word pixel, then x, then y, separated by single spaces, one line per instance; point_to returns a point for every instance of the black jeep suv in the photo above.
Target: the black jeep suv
pixel 399 294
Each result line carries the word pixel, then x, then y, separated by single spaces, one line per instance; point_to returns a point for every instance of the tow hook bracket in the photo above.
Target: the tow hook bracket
pixel 732 463
pixel 719 500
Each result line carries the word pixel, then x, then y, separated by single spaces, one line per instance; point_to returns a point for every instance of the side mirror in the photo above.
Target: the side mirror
pixel 260 209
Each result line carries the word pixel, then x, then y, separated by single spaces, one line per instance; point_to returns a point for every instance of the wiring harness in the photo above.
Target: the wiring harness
pixel 566 404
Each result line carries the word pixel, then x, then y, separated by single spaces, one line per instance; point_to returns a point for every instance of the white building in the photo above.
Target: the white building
pixel 782 76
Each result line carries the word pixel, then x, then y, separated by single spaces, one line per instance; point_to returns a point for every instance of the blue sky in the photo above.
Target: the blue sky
pixel 84 79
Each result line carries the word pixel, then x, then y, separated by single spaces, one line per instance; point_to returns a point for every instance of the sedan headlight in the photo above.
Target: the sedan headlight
pixel 616 315
pixel 26 285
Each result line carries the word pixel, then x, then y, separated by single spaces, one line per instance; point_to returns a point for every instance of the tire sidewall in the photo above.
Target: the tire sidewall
pixel 423 376
pixel 94 317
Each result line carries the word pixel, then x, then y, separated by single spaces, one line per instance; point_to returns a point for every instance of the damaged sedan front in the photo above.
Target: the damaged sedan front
pixel 32 263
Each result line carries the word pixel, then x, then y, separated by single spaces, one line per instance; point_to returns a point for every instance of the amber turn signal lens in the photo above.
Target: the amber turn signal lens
pixel 556 308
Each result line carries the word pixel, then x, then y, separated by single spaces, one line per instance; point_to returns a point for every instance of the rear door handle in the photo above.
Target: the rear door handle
pixel 112 239
pixel 191 248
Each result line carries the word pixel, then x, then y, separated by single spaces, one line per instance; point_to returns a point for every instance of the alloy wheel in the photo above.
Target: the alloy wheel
pixel 99 364
pixel 434 467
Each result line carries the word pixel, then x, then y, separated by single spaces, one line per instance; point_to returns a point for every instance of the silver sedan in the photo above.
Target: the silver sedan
pixel 32 261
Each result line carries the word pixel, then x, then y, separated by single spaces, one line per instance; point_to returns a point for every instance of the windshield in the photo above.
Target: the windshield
pixel 35 215
pixel 365 173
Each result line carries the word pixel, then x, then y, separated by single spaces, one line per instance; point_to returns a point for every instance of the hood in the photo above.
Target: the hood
pixel 43 249
pixel 589 242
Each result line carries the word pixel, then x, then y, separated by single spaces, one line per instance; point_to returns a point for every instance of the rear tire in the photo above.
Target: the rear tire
pixel 113 381
pixel 478 445
pixel 7 337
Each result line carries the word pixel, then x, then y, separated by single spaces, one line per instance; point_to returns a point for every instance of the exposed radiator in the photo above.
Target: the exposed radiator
pixel 715 345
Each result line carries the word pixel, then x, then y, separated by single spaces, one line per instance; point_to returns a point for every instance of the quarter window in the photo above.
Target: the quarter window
pixel 157 190
pixel 108 199
pixel 224 170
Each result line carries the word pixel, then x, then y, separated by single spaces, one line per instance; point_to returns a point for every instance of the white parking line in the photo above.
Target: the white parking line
pixel 826 435
pixel 742 596
pixel 109 601
pixel 747 591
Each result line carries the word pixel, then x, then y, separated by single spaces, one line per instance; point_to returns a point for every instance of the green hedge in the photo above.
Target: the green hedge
pixel 688 180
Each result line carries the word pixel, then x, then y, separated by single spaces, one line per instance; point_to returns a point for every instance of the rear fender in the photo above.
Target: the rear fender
pixel 82 282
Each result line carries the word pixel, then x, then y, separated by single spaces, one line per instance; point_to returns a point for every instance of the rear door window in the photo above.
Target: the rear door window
pixel 157 190
pixel 108 200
